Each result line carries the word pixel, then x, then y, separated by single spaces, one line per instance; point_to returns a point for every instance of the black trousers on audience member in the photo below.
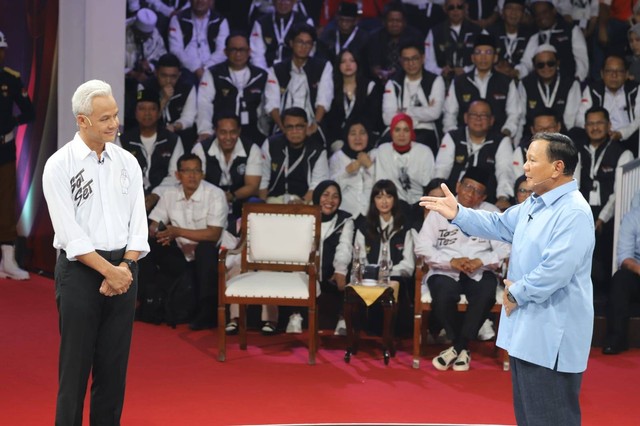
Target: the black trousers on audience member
pixel 95 335
pixel 446 291
pixel 624 290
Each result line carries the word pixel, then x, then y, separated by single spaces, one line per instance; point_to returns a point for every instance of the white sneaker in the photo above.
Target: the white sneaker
pixel 295 324
pixel 443 361
pixel 9 267
pixel 486 330
pixel 463 361
pixel 341 328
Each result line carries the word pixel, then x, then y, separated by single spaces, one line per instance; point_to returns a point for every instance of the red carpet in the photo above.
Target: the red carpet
pixel 175 379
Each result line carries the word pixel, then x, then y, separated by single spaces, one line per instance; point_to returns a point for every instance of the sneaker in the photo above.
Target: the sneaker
pixel 341 328
pixel 462 362
pixel 486 330
pixel 268 329
pixel 295 324
pixel 231 328
pixel 443 361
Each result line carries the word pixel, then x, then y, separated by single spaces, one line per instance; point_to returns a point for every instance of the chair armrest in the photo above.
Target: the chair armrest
pixel 417 303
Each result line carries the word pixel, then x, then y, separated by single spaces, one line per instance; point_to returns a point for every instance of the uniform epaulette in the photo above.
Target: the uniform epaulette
pixel 14 73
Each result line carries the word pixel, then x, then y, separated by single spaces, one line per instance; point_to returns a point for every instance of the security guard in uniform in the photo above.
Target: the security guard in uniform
pixel 12 91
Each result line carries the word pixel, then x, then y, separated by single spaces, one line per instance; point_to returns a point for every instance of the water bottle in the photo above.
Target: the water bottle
pixel 356 266
pixel 385 266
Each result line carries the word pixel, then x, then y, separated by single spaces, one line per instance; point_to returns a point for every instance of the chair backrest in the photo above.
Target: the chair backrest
pixel 280 236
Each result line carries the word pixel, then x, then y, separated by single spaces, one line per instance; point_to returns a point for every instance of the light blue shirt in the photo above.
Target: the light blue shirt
pixel 629 236
pixel 552 238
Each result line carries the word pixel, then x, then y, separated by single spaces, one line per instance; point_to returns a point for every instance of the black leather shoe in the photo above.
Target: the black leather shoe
pixel 200 324
pixel 611 350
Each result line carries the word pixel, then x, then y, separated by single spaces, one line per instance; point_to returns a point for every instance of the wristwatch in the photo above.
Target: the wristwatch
pixel 130 263
pixel 511 299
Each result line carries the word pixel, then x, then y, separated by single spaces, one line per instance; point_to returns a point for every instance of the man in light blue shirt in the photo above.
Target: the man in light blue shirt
pixel 625 284
pixel 547 319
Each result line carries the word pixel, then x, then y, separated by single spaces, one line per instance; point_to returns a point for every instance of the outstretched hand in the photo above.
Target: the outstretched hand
pixel 447 206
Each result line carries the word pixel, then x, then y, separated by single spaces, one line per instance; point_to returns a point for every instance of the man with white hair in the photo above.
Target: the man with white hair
pixel 93 189
pixel 13 93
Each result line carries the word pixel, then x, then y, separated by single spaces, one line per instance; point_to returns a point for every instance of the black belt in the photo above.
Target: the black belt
pixel 111 256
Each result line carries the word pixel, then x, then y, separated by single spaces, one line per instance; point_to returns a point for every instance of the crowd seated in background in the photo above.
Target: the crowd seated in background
pixel 471 83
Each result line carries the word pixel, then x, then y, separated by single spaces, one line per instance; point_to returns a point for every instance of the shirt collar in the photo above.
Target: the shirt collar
pixel 238 150
pixel 81 150
pixel 550 197
pixel 196 196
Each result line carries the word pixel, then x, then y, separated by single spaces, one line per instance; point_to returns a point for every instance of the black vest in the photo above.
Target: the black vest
pixel 237 169
pixel 597 91
pixel 213 27
pixel 269 37
pixel 606 173
pixel 174 107
pixel 486 159
pixel 534 103
pixel 499 33
pixel 298 179
pixel 313 68
pixel 561 39
pixel 426 83
pixel 372 246
pixel 227 99
pixel 454 53
pixel 162 151
pixel 330 245
pixel 497 93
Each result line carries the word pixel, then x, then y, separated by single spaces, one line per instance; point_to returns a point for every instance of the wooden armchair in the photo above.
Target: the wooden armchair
pixel 422 309
pixel 279 266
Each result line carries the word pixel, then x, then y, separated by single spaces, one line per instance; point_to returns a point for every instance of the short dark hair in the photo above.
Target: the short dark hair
pixel 295 112
pixel 300 28
pixel 233 34
pixel 169 60
pixel 597 109
pixel 433 184
pixel 226 115
pixel 547 112
pixel 612 55
pixel 188 157
pixel 411 44
pixel 394 6
pixel 560 148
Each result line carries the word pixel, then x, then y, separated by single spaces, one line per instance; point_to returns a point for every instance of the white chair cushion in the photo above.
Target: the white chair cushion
pixel 425 294
pixel 280 238
pixel 290 285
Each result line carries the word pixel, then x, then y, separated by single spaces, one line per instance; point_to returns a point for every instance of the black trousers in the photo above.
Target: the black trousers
pixel 95 335
pixel 446 291
pixel 625 289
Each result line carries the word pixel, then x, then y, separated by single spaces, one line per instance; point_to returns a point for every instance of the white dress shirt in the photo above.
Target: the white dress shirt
pixel 317 174
pixel 207 206
pixel 616 104
pixel 355 187
pixel 406 266
pixel 425 115
pixel 254 159
pixel 95 204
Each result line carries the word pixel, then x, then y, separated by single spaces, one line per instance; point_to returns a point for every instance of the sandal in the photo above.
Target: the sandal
pixel 231 328
pixel 268 329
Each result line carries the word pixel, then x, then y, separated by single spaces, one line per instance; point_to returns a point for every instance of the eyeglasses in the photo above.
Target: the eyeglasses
pixel 190 171
pixel 470 188
pixel 489 52
pixel 237 50
pixel 411 59
pixel 306 43
pixel 455 6
pixel 543 64
pixel 290 127
pixel 479 116
pixel 524 191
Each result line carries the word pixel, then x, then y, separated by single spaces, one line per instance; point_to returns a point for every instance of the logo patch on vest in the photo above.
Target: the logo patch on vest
pixel 241 169
pixel 274 166
pixel 268 40
pixel 532 104
pixel 460 159
pixel 225 92
pixel 499 96
pixel 466 97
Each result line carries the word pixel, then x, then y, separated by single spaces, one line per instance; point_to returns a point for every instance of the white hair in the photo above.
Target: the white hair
pixel 81 102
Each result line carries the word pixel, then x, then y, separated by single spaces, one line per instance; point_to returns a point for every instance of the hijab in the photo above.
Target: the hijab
pixel 320 188
pixel 394 122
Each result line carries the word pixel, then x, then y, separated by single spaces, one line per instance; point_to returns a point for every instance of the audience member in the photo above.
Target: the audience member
pixel 620 97
pixel 423 14
pixel 177 99
pixel 521 189
pixel 460 264
pixel 633 59
pixel 347 35
pixel 354 95
pixel 449 44
pixel 416 92
pixel 476 145
pixel 483 13
pixel 234 85
pixel 195 213
pixel 382 50
pixel 231 163
pixel 600 158
pixel 352 167
pixel 156 149
pixel 270 34
pixel 143 46
pixel 294 163
pixel 547 88
pixel 406 163
pixel 481 82
pixel 197 36
pixel 625 284
pixel 564 36
pixel 512 36
pixel 301 81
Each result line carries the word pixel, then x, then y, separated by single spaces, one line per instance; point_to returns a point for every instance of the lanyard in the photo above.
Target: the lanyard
pixel 595 165
pixel 549 100
pixel 509 46
pixel 349 103
pixel 281 33
pixel 346 43
pixel 289 169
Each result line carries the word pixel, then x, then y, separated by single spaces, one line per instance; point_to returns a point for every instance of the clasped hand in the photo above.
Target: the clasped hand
pixel 466 265
pixel 117 281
